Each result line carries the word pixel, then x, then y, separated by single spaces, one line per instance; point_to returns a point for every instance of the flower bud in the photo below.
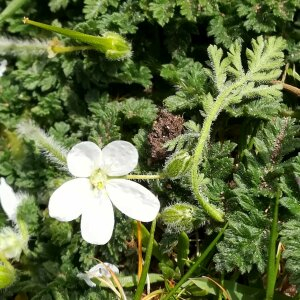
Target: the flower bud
pixel 11 243
pixel 115 46
pixel 178 164
pixel 7 273
pixel 182 217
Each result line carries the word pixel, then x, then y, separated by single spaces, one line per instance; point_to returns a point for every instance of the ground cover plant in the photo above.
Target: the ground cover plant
pixel 149 149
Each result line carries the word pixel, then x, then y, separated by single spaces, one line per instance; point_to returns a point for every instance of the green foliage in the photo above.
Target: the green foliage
pixel 245 90
pixel 290 238
pixel 256 180
pixel 29 212
pixel 190 78
pixel 186 57
pixel 56 5
pixel 235 250
pixel 258 15
pixel 92 8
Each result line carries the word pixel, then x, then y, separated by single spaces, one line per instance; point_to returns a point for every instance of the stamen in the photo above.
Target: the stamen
pixel 98 179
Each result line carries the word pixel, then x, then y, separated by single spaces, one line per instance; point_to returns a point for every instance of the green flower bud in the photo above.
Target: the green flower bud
pixel 182 217
pixel 7 273
pixel 115 46
pixel 178 164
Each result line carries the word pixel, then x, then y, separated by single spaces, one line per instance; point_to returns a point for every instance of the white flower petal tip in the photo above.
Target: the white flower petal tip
pixel 3 65
pixel 68 201
pixel 9 200
pixel 83 159
pixel 97 221
pixel 119 158
pixel 86 278
pixel 133 199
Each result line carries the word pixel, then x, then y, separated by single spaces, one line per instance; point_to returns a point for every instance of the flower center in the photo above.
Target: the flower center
pixel 98 179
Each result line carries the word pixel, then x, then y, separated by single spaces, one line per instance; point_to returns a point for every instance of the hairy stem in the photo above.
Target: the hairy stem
pixel 219 104
pixel 55 151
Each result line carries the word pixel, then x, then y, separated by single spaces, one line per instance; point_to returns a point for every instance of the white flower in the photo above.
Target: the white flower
pixel 9 200
pixel 98 271
pixel 98 187
pixel 3 65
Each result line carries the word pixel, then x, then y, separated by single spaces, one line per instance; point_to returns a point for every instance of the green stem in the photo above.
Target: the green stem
pixel 272 270
pixel 219 104
pixel 145 240
pixel 65 49
pixel 196 265
pixel 144 177
pixel 220 291
pixel 140 287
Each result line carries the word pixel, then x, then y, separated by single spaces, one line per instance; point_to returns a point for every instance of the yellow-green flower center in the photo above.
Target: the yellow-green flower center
pixel 98 179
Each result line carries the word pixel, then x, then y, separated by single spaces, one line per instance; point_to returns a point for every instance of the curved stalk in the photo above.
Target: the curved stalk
pixel 219 104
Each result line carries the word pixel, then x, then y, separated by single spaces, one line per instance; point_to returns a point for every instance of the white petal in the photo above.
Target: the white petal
pixel 3 65
pixel 97 221
pixel 87 279
pixel 112 267
pixel 68 201
pixel 100 270
pixel 133 199
pixel 83 159
pixel 119 158
pixel 9 200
